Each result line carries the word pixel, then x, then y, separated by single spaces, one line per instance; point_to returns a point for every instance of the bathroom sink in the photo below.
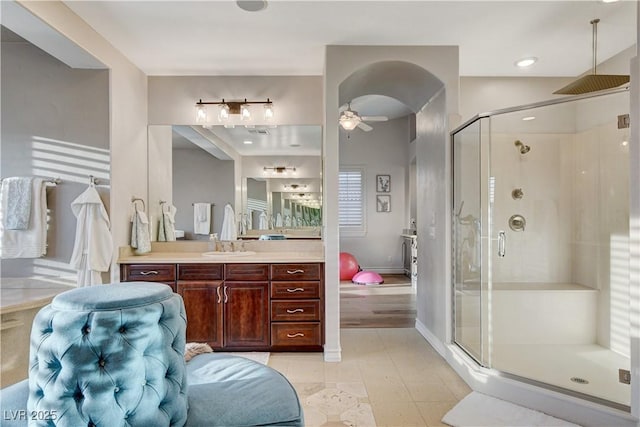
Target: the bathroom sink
pixel 220 254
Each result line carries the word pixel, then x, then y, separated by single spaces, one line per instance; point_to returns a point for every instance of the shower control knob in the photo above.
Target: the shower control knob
pixel 517 222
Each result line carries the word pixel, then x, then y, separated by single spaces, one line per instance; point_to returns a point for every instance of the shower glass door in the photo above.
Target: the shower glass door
pixel 470 296
pixel 559 220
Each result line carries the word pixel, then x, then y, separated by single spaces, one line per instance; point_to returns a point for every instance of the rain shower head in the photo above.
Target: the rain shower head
pixel 524 149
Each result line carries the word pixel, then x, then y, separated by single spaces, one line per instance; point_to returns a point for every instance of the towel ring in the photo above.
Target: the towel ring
pixel 134 200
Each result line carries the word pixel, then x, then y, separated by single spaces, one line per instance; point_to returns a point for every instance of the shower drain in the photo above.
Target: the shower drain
pixel 579 380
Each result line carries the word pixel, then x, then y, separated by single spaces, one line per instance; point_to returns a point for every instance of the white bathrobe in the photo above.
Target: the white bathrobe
pixel 93 246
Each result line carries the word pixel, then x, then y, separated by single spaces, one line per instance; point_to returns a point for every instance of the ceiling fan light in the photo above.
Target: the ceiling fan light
pixel 202 115
pixel 223 113
pixel 349 122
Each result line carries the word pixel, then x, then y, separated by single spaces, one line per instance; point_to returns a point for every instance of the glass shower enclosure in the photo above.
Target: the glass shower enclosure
pixel 540 244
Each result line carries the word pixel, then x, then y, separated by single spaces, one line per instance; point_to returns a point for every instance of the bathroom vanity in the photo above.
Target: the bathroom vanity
pixel 260 300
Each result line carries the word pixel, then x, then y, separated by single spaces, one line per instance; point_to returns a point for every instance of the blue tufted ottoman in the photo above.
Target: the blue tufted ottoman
pixel 113 356
pixel 109 356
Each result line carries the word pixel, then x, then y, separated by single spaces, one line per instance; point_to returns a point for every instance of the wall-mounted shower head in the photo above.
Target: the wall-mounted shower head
pixel 524 149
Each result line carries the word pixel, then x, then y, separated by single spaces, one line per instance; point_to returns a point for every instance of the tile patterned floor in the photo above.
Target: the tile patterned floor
pixel 387 377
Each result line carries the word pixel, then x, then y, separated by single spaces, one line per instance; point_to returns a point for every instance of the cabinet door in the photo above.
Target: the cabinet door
pixel 203 303
pixel 246 314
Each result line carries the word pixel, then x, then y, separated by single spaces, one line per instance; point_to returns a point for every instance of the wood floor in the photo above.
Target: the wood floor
pixel 389 305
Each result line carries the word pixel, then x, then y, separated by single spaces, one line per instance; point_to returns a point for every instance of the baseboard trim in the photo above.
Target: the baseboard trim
pixel 431 339
pixel 332 355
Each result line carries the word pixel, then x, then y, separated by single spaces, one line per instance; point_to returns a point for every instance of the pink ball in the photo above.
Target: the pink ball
pixel 348 266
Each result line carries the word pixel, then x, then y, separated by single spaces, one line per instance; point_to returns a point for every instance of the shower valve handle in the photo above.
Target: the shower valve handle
pixel 502 238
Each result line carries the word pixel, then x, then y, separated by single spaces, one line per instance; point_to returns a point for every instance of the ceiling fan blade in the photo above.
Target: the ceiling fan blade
pixel 365 127
pixel 374 118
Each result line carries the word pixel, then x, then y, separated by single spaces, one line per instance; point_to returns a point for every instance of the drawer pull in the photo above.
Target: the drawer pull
pixel 297 310
pixel 292 290
pixel 294 271
pixel 218 292
pixel 146 273
pixel 298 334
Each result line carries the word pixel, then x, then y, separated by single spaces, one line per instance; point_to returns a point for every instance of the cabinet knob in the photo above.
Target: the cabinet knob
pixel 297 334
pixel 297 310
pixel 294 271
pixel 146 273
pixel 291 290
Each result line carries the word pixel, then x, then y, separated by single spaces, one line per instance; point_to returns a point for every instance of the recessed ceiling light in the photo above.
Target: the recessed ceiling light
pixel 526 62
pixel 252 5
pixel 609 1
pixel 529 118
pixel 294 145
pixel 247 142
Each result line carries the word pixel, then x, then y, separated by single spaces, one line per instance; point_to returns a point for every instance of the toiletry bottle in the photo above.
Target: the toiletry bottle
pixel 213 240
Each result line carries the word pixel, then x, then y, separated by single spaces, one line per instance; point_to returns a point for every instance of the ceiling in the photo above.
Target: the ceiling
pixel 288 37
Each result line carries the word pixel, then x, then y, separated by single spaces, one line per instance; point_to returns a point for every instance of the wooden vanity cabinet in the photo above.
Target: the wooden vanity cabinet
pixel 161 273
pixel 297 310
pixel 245 306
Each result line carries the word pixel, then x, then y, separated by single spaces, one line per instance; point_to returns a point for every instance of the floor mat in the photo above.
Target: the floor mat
pixel 480 410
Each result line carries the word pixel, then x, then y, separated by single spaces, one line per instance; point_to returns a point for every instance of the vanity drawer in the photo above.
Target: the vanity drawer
pixel 200 271
pixel 296 334
pixel 246 272
pixel 149 272
pixel 287 311
pixel 295 290
pixel 295 272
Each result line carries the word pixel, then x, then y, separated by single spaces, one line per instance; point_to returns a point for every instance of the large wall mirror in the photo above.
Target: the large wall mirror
pixel 270 175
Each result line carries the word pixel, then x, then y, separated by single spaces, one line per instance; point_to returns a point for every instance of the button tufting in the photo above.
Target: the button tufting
pixel 117 389
pixel 122 329
pixel 101 362
pixel 86 329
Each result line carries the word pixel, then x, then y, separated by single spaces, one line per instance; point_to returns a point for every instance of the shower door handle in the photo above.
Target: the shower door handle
pixel 502 239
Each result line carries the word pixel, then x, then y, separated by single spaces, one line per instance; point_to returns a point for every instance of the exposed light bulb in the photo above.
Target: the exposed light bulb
pixel 245 113
pixel 349 122
pixel 201 114
pixel 268 111
pixel 223 113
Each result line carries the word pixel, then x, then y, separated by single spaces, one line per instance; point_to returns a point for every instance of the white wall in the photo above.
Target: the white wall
pixel 42 99
pixel 380 151
pixel 127 113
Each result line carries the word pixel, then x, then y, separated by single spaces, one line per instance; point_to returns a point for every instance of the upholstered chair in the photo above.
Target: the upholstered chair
pixel 109 356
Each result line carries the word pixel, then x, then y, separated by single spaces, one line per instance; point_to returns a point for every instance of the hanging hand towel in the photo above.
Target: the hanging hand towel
pixel 18 191
pixel 202 218
pixel 140 239
pixel 93 246
pixel 262 225
pixel 228 231
pixel 32 242
pixel 278 219
pixel 167 224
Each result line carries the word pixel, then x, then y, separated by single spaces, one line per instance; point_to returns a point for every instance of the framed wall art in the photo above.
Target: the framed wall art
pixel 383 183
pixel 383 203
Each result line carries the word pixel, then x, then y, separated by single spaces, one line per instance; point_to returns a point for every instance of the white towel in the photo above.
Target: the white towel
pixel 202 218
pixel 32 242
pixel 18 192
pixel 278 219
pixel 93 246
pixel 140 238
pixel 263 225
pixel 228 231
pixel 167 224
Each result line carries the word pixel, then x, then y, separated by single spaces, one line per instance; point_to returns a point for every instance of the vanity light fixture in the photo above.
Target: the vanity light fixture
pixel 279 169
pixel 294 186
pixel 227 108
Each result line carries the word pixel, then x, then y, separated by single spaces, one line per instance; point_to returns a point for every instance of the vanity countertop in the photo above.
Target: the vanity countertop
pixel 25 293
pixel 197 257
pixel 258 251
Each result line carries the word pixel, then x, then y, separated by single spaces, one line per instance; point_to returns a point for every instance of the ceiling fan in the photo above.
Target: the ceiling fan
pixel 350 119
